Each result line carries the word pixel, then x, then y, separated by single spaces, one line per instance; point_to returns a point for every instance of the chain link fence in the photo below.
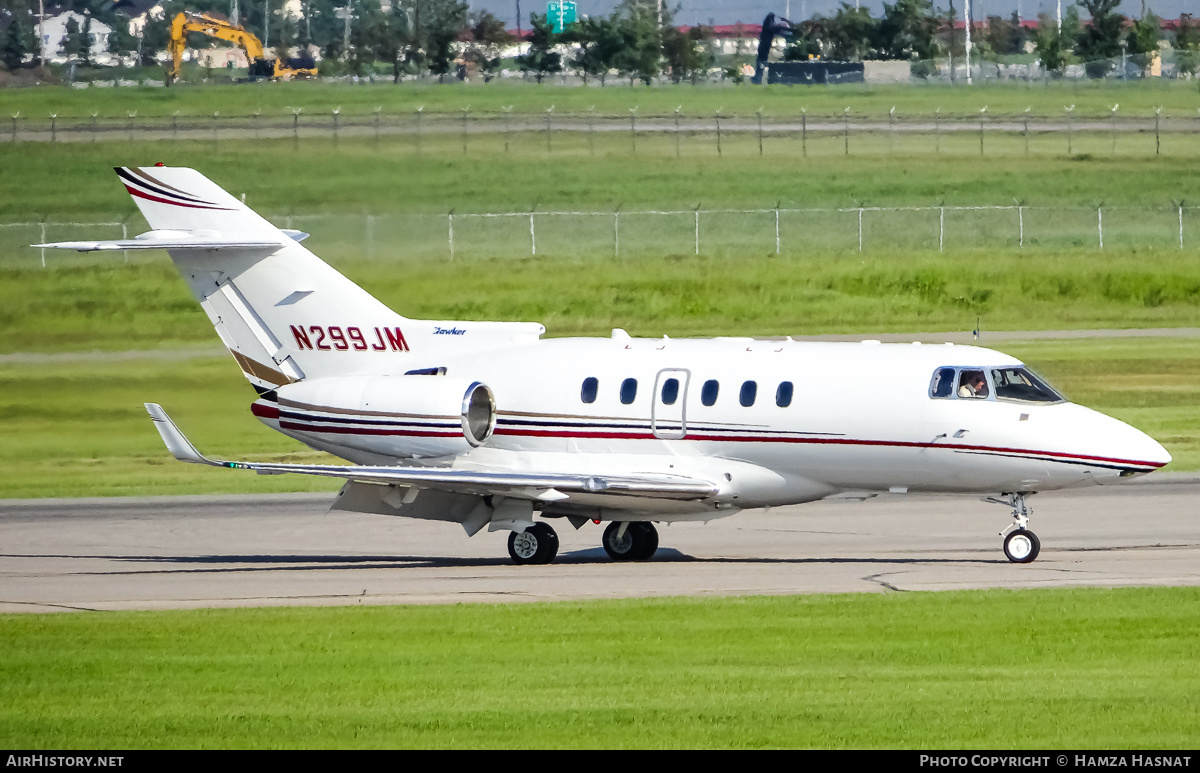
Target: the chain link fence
pixel 1121 132
pixel 662 233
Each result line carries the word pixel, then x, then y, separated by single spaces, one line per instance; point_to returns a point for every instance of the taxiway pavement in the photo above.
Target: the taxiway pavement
pixel 272 550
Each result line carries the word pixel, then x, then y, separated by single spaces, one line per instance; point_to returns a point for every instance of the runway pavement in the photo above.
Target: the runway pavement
pixel 193 552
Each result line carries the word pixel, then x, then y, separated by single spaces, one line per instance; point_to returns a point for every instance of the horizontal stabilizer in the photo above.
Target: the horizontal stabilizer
pixel 548 486
pixel 171 240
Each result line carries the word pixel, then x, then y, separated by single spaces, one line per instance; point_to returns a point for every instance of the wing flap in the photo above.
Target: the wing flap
pixel 547 486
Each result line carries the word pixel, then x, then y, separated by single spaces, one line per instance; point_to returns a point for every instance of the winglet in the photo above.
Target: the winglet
pixel 179 446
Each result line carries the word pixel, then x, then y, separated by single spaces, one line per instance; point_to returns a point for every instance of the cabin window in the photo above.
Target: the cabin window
pixel 628 390
pixel 1022 385
pixel 748 393
pixel 973 384
pixel 943 383
pixel 708 393
pixel 783 395
pixel 590 386
pixel 670 391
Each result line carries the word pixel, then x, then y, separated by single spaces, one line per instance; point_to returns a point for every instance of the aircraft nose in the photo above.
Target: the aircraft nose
pixel 1134 450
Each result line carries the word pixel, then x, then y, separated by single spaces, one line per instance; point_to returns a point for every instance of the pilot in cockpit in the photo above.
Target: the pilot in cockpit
pixel 971 383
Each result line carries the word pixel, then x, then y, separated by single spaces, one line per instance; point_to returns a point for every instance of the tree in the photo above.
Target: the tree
pixel 907 30
pixel 599 41
pixel 1005 36
pixel 541 59
pixel 852 33
pixel 1187 45
pixel 488 38
pixel 641 50
pixel 1099 43
pixel 807 42
pixel 684 52
pixel 19 39
pixel 1142 40
pixel 1053 45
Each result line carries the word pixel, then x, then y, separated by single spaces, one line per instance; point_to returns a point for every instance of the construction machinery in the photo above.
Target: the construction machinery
pixel 216 26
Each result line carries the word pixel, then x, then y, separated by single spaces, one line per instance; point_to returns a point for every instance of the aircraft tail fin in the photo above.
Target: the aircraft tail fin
pixel 283 313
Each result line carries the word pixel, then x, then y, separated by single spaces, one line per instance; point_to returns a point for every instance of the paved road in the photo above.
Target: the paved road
pixel 191 552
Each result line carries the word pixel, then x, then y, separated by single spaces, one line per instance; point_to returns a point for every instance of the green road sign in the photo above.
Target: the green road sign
pixel 560 15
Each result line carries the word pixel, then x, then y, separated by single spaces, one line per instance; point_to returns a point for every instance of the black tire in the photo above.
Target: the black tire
pixel 549 538
pixel 1022 546
pixel 536 545
pixel 639 542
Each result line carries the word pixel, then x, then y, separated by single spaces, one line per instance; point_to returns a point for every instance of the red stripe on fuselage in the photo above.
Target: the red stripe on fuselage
pixel 826 441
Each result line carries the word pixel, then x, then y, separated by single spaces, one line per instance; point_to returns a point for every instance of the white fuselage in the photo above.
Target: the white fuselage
pixel 860 418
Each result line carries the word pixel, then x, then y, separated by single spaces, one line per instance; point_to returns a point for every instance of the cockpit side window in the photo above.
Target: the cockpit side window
pixel 943 383
pixel 973 383
pixel 1023 385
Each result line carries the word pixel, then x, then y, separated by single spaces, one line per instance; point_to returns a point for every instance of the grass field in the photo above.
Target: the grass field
pixel 1057 669
pixel 1180 98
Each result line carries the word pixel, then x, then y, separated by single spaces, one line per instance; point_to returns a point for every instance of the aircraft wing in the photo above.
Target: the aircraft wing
pixel 178 240
pixel 520 484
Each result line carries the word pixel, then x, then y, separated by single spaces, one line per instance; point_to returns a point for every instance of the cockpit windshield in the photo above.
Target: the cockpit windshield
pixel 974 383
pixel 1021 384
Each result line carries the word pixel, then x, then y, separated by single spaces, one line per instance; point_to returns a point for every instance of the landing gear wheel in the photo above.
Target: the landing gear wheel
pixel 1022 546
pixel 536 545
pixel 638 543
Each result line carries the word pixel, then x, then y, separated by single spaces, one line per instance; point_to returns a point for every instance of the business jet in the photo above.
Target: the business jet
pixel 488 424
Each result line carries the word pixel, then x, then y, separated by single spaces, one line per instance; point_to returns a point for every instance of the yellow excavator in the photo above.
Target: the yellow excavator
pixel 216 26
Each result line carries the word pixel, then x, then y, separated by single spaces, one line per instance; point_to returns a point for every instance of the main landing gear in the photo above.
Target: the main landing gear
pixel 623 541
pixel 1021 546
pixel 536 545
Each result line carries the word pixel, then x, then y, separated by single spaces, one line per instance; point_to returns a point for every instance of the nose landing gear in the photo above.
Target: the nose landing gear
pixel 1021 546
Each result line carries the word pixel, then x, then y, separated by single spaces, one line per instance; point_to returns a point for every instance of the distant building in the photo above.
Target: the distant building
pixel 54 29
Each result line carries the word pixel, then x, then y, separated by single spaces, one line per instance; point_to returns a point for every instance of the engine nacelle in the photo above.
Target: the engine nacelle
pixel 396 416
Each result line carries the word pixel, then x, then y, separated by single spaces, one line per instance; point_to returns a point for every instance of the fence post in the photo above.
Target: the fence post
pixel 1100 224
pixel 507 116
pixel 54 127
pixel 420 112
pixel 941 227
pixel 846 129
pixel 760 148
pixel 296 126
pixel 697 229
pixel 617 232
pixel 43 241
pixel 1025 131
pixel 1181 225
pixel 1157 113
pixel 718 117
pixel 982 113
pixel 532 235
pixel 804 132
pixel 17 115
pixel 892 130
pixel 1112 128
pixel 94 116
pixel 378 110
pixel 937 130
pixel 1070 129
pixel 777 227
pixel 548 129
pixel 591 129
pixel 860 214
pixel 1020 225
pixel 336 112
pixel 465 111
pixel 677 109
pixel 633 127
pixel 451 234
pixel 125 235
